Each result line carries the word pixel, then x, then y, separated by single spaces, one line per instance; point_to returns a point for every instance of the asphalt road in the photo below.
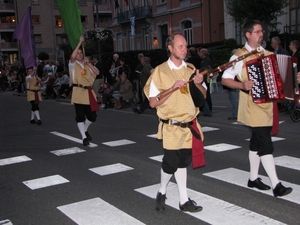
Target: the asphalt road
pixel 110 183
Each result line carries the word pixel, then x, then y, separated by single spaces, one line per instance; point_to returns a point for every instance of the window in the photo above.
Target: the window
pixel 55 4
pixel 188 31
pixel 34 2
pixel 35 19
pixel 58 39
pixel 83 19
pixel 119 42
pixel 7 19
pixel 131 43
pixel 82 2
pixel 146 39
pixel 37 38
pixel 159 2
pixel 58 21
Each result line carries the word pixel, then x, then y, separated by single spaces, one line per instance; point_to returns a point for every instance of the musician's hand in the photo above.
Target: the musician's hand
pixel 248 85
pixel 86 60
pixel 298 77
pixel 81 39
pixel 179 84
pixel 198 78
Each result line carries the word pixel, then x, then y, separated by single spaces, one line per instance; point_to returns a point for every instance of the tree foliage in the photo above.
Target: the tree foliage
pixel 266 11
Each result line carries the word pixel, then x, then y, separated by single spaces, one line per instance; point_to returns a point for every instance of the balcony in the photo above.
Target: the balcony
pixel 138 13
pixel 9 46
pixel 7 26
pixel 7 7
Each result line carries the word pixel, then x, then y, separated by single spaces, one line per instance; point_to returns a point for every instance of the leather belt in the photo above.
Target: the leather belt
pixel 81 86
pixel 183 125
pixel 177 123
pixel 33 90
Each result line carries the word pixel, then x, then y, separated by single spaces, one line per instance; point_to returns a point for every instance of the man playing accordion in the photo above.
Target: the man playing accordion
pixel 258 117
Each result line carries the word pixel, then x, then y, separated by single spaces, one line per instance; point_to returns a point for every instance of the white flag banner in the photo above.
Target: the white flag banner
pixel 132 24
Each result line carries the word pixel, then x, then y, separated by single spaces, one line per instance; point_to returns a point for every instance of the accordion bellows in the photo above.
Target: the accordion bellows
pixel 265 73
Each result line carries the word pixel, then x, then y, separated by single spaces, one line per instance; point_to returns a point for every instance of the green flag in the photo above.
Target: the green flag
pixel 71 18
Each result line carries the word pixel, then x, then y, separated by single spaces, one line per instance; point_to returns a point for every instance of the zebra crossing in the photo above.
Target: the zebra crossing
pixel 97 211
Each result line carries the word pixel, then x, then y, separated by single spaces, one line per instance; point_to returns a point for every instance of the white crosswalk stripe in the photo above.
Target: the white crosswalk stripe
pixel 45 182
pixel 215 211
pixel 12 160
pixel 288 162
pixel 110 169
pixel 96 211
pixel 240 178
pixel 77 140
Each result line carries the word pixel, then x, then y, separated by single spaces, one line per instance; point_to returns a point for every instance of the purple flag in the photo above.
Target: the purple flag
pixel 23 32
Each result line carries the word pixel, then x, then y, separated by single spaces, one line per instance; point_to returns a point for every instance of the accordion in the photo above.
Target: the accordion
pixel 273 78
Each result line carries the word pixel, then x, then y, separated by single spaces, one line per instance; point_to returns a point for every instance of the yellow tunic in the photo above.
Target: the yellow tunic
pixel 33 84
pixel 250 113
pixel 178 106
pixel 80 95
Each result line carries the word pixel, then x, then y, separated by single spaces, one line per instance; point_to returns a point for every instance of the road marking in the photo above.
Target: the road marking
pixel 215 211
pixel 110 169
pixel 240 178
pixel 118 143
pixel 272 138
pixel 5 222
pixel 45 182
pixel 207 129
pixel 152 135
pixel 288 162
pixel 67 151
pixel 12 160
pixel 77 140
pixel 221 147
pixel 157 158
pixel 95 211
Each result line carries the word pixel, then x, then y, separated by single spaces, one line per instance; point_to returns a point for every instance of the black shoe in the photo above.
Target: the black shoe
pixel 258 184
pixel 86 142
pixel 280 190
pixel 160 202
pixel 32 121
pixel 190 206
pixel 88 136
pixel 136 110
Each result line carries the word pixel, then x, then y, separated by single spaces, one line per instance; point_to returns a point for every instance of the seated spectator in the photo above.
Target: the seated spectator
pixel 61 84
pixel 125 92
pixel 12 81
pixel 22 83
pixel 104 89
pixel 106 97
pixel 124 68
pixel 48 85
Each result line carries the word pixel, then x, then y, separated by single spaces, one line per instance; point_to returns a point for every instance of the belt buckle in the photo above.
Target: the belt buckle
pixel 172 122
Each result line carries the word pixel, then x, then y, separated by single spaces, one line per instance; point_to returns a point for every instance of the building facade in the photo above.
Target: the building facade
pixel 48 27
pixel 200 22
pixel 136 24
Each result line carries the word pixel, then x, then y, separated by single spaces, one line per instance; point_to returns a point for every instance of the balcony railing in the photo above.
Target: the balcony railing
pixel 7 6
pixel 138 13
pixel 8 45
pixel 4 26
